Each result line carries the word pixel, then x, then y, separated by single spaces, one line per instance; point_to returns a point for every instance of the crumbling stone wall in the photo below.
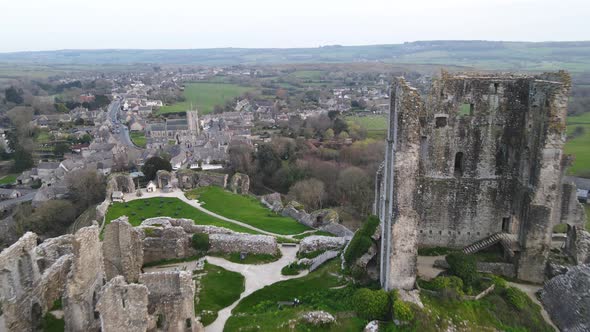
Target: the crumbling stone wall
pixel 120 182
pixel 482 155
pixel 164 178
pixel 171 300
pixel 316 243
pixel 124 307
pixel 240 184
pixel 272 201
pixel 566 298
pixel 577 244
pixel 188 179
pixel 84 282
pixel 572 211
pixel 247 243
pixel 325 219
pixel 122 250
pixel 167 238
pixel 31 278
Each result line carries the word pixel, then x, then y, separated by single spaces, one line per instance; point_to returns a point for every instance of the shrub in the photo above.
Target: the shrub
pixel 371 304
pixel 402 311
pixel 200 241
pixel 499 282
pixel 452 282
pixel 516 297
pixel 362 241
pixel 463 266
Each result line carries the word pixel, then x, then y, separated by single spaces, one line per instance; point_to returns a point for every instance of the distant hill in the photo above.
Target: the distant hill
pixel 572 56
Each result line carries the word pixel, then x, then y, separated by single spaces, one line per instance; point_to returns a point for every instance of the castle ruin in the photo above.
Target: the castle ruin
pixel 479 160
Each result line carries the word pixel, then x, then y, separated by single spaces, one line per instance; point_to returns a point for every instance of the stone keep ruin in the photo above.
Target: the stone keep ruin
pixel 478 161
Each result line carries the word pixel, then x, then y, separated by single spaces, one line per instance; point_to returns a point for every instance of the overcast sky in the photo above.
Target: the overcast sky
pixel 30 25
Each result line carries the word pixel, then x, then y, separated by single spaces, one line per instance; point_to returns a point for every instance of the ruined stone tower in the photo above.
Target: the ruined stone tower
pixel 481 156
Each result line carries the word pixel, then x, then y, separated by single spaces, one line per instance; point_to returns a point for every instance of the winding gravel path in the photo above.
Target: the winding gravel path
pixel 256 277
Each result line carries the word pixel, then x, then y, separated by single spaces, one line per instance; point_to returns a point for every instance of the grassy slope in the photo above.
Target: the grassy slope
pixel 204 96
pixel 246 209
pixel 579 146
pixel 9 179
pixel 138 138
pixel 219 289
pixel 261 309
pixel 166 206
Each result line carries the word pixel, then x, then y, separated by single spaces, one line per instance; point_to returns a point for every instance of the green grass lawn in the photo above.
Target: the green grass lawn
pixel 314 291
pixel 8 179
pixel 204 97
pixel 138 138
pixel 375 124
pixel 219 289
pixel 245 209
pixel 579 146
pixel 140 209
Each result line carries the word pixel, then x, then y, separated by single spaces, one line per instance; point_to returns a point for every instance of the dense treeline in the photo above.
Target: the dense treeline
pixel 319 166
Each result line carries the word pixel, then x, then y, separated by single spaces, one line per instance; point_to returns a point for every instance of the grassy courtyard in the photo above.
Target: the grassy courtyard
pixel 138 138
pixel 245 209
pixel 219 289
pixel 141 209
pixel 204 97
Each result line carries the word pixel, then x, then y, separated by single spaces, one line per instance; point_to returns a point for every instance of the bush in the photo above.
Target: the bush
pixel 499 283
pixel 371 304
pixel 402 311
pixel 463 266
pixel 362 241
pixel 452 282
pixel 516 297
pixel 200 241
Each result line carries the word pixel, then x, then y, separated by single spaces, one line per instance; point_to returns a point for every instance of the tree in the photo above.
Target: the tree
pixel 309 192
pixel 50 219
pixel 14 95
pixel 355 189
pixel 240 157
pixel 86 187
pixel 153 165
pixel 329 134
pixel 23 160
pixel 61 148
pixel 463 266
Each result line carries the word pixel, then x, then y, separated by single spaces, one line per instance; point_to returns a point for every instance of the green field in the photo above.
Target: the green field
pixel 219 289
pixel 8 179
pixel 245 209
pixel 579 146
pixel 204 97
pixel 138 138
pixel 314 75
pixel 140 209
pixel 374 124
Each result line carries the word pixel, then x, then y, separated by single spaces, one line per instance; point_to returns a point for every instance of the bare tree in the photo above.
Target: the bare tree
pixel 309 192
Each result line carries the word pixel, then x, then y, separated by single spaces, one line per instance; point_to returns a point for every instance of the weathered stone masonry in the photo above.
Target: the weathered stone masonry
pixel 481 155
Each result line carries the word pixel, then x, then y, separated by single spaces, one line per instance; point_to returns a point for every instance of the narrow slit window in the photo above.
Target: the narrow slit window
pixel 458 164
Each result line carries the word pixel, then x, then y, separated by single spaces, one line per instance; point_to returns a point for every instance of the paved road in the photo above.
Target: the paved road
pixel 123 135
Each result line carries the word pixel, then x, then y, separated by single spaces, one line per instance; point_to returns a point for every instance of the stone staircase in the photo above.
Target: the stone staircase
pixel 508 241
